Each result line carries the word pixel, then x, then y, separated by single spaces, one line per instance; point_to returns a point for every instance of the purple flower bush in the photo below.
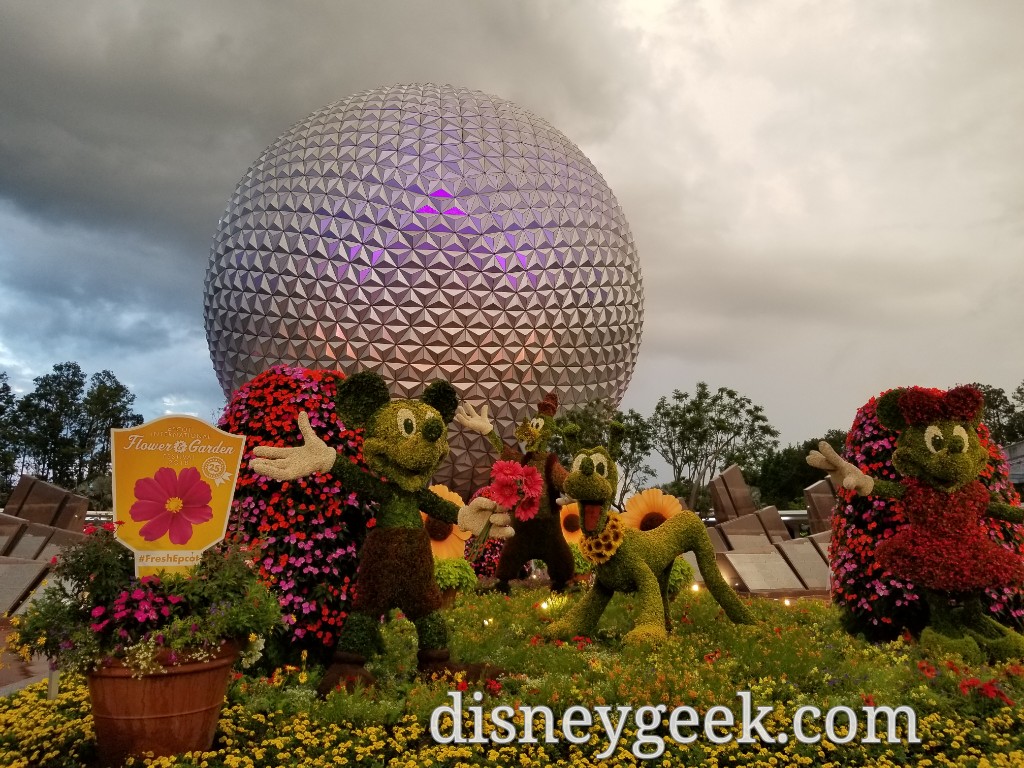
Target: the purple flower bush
pixel 306 532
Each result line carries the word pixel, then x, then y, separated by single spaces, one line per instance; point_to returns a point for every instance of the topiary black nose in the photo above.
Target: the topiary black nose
pixel 432 429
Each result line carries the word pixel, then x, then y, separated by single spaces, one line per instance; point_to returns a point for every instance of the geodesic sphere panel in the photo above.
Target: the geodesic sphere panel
pixel 427 231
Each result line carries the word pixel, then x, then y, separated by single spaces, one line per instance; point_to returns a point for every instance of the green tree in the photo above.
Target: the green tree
pixel 50 416
pixel 632 444
pixel 10 443
pixel 627 435
pixel 1015 428
pixel 585 426
pixel 107 405
pixel 999 413
pixel 703 433
pixel 65 428
pixel 783 474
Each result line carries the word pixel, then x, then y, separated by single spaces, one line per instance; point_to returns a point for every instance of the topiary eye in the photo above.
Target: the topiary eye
pixel 577 462
pixel 600 464
pixel 933 439
pixel 958 443
pixel 537 424
pixel 406 421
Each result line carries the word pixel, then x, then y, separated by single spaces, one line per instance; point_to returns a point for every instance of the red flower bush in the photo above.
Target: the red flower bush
pixel 308 532
pixel 872 599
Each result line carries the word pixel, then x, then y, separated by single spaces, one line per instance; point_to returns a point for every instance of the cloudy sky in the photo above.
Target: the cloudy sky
pixel 827 197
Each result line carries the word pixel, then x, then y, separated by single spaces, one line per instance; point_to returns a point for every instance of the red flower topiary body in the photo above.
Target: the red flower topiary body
pixel 945 547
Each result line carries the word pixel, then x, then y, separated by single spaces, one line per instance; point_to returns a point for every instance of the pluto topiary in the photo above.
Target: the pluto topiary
pixel 629 560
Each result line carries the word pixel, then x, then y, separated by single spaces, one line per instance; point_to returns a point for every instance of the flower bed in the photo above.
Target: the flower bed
pixel 796 655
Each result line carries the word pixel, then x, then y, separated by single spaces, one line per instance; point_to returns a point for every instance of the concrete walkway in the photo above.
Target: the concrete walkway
pixel 15 674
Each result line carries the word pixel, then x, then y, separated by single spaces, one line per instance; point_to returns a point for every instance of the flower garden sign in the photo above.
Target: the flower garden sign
pixel 173 481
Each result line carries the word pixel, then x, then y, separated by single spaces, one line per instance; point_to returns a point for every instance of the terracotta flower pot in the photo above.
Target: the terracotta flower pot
pixel 166 713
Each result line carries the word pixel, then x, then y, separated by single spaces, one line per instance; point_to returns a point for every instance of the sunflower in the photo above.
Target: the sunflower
pixel 571 523
pixel 649 509
pixel 446 540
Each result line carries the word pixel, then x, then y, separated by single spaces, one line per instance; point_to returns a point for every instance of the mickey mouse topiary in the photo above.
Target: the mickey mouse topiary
pixel 404 442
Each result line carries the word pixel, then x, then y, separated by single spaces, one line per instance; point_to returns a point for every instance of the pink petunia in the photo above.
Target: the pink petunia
pixel 171 503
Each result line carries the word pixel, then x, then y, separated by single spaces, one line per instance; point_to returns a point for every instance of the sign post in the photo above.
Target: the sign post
pixel 174 478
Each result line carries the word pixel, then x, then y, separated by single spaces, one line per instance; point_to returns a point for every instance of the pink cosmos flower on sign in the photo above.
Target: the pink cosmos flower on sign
pixel 171 503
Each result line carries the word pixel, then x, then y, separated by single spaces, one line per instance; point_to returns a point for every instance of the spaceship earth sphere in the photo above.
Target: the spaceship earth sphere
pixel 426 231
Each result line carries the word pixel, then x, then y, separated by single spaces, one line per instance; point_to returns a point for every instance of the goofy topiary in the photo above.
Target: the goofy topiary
pixel 943 549
pixel 404 442
pixel 541 536
pixel 628 560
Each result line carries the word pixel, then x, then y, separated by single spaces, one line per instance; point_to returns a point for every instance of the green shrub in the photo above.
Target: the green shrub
pixel 454 573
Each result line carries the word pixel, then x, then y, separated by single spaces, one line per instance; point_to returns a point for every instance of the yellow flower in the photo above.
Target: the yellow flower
pixel 446 540
pixel 649 509
pixel 571 523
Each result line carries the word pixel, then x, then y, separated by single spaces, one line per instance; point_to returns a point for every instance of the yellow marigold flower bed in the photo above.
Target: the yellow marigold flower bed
pixel 795 656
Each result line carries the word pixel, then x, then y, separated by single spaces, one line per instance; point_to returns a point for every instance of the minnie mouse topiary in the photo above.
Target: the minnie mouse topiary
pixel 944 550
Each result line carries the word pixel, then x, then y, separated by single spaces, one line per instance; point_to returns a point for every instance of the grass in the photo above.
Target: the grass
pixel 795 656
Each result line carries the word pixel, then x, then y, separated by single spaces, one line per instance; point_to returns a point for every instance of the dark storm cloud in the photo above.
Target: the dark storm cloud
pixel 145 115
pixel 826 196
pixel 126 126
